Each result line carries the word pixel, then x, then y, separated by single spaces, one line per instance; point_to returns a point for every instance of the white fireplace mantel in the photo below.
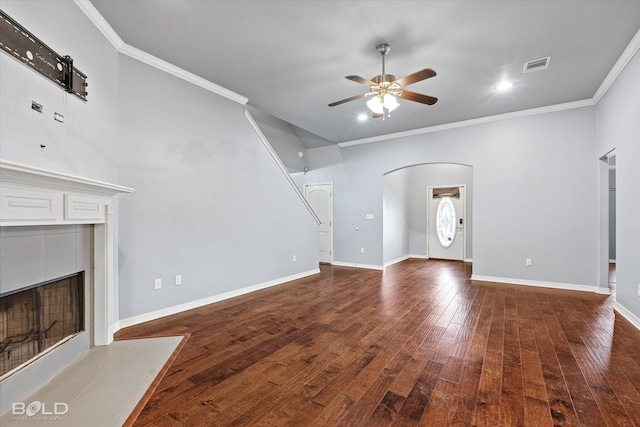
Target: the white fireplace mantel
pixel 33 196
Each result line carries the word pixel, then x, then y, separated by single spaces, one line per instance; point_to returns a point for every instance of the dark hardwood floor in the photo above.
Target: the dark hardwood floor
pixel 418 344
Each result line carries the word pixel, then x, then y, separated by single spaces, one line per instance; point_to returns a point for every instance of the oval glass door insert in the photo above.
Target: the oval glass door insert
pixel 446 222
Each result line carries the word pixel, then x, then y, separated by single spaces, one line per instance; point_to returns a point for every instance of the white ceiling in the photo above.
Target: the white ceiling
pixel 289 58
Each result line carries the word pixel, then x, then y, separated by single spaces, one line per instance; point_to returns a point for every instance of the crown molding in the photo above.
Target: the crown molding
pixel 624 59
pixel 621 63
pixel 165 66
pixel 472 122
pixel 103 26
pixel 98 20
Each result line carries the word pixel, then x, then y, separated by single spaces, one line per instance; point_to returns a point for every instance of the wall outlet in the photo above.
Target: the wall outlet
pixel 158 283
pixel 295 258
pixel 361 250
pixel 528 262
pixel 178 280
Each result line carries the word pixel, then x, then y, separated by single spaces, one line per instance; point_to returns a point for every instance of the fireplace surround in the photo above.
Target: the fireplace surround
pixel 70 219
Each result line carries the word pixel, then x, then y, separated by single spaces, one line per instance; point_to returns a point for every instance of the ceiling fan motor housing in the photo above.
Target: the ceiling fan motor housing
pixel 383 48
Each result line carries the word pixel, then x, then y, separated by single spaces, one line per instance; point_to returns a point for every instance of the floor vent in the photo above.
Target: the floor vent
pixel 536 65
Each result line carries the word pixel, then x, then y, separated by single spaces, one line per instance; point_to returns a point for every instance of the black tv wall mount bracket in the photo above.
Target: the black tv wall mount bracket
pixel 18 42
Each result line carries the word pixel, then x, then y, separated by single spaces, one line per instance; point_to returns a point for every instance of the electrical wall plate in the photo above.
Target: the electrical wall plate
pixel 36 107
pixel 18 42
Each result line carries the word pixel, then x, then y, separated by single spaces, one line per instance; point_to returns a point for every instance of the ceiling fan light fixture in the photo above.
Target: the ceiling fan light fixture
pixel 385 88
pixel 376 105
pixel 390 102
pixel 379 103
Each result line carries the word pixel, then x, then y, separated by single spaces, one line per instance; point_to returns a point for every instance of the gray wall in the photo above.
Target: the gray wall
pixel 534 193
pixel 210 200
pixel 282 138
pixel 405 207
pixel 395 215
pixel 210 203
pixel 619 128
pixel 84 145
pixel 423 176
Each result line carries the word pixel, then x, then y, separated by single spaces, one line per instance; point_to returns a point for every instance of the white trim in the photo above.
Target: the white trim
pixel 624 312
pixel 541 284
pixel 56 189
pixel 354 265
pixel 101 24
pixel 469 260
pixel 603 291
pixel 281 165
pixel 30 175
pixel 141 318
pixel 397 260
pixel 626 56
pixel 472 122
pixel 418 256
pixel 165 66
pixel 142 56
pixel 612 261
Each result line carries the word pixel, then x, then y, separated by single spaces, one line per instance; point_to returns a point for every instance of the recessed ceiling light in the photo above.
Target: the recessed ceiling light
pixel 362 117
pixel 504 86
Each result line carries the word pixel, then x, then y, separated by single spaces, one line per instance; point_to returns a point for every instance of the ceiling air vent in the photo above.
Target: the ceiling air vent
pixel 536 65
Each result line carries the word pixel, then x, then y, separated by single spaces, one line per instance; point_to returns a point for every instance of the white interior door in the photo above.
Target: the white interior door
pixel 320 198
pixel 446 222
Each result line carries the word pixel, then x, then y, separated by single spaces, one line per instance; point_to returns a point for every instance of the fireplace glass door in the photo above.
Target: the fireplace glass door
pixel 34 319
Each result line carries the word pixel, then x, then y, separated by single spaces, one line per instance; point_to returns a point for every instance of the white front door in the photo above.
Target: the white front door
pixel 320 198
pixel 446 222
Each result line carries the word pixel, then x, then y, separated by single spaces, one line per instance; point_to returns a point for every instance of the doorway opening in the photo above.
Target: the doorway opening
pixel 607 264
pixel 320 198
pixel 405 198
pixel 446 208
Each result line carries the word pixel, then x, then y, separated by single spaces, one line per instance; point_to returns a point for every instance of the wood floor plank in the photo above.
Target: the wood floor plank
pixel 419 344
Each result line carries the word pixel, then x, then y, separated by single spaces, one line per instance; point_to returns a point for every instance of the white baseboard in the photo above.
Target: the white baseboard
pixel 541 284
pixel 624 312
pixel 141 318
pixel 418 256
pixel 397 260
pixel 349 264
pixel 612 261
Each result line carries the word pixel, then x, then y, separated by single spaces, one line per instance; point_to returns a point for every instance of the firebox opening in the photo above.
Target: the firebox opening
pixel 36 319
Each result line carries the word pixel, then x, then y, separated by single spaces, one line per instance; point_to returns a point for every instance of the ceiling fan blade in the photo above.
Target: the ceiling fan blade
pixel 361 80
pixel 418 97
pixel 342 101
pixel 416 77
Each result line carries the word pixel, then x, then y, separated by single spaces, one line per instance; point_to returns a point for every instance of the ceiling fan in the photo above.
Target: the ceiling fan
pixel 384 88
